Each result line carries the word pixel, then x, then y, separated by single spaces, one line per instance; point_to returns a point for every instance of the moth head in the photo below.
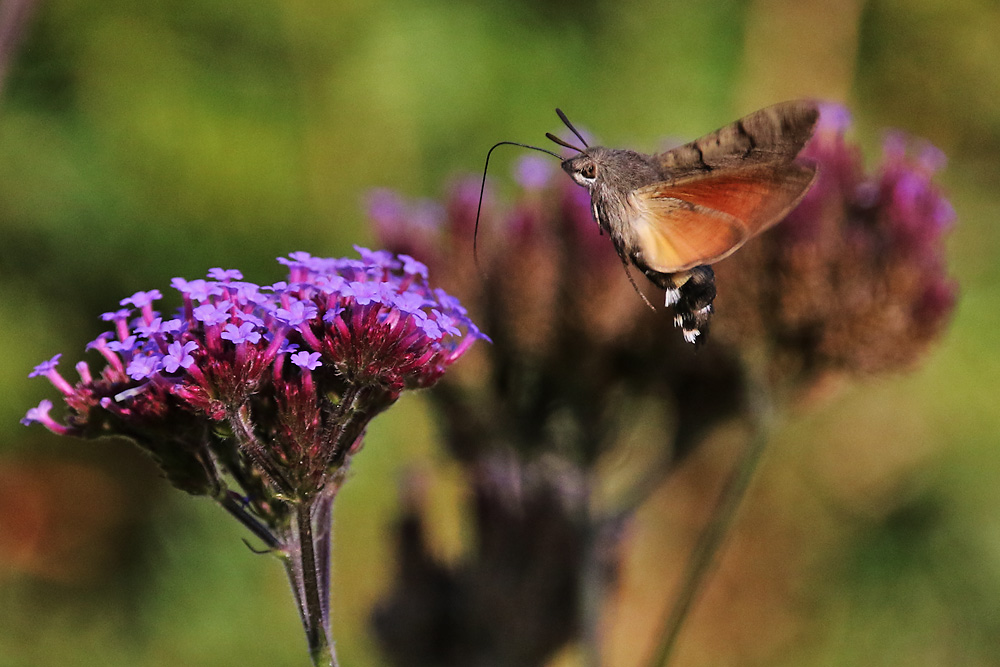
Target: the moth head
pixel 583 169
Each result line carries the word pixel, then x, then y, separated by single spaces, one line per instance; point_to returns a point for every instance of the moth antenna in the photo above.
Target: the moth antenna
pixel 572 129
pixel 482 188
pixel 562 143
pixel 634 286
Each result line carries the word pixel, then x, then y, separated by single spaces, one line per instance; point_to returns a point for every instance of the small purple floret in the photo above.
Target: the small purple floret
pixel 45 367
pixel 121 314
pixel 197 290
pixel 331 314
pixel 126 345
pixel 141 367
pixel 287 348
pixel 37 414
pixel 414 267
pixel 142 299
pixel 449 303
pixel 307 360
pixel 431 328
pixel 377 258
pixel 225 275
pixel 179 356
pixel 212 314
pixel 296 313
pixel 364 293
pixel 409 302
pixel 243 292
pixel 447 324
pixel 40 415
pixel 150 330
pixel 244 333
pixel 251 318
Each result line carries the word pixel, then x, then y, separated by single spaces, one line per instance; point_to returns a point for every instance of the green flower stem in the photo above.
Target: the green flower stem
pixel 712 538
pixel 323 521
pixel 308 576
pixel 592 584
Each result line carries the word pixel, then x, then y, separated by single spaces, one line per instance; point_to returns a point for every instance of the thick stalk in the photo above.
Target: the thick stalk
pixel 592 584
pixel 308 576
pixel 323 522
pixel 712 538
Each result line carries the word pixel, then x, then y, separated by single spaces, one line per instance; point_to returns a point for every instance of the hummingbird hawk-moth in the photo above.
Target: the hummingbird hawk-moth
pixel 675 213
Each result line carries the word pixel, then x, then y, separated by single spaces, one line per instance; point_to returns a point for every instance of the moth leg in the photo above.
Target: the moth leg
pixel 597 217
pixel 624 258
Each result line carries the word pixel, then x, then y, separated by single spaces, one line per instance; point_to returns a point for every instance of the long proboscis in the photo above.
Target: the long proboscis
pixel 482 189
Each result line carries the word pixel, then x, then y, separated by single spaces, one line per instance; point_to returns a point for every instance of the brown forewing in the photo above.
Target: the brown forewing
pixel 774 134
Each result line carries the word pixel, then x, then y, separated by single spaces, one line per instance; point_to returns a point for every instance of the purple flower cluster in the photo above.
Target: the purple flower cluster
pixel 290 372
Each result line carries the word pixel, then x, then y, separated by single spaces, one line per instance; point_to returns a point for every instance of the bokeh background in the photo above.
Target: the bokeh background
pixel 141 141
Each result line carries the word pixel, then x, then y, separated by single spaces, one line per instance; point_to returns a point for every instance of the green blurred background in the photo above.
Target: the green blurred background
pixel 145 140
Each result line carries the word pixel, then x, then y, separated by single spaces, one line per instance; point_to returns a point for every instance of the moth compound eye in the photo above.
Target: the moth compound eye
pixel 588 171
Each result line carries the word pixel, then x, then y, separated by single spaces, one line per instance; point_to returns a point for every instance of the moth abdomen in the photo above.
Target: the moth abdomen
pixel 691 293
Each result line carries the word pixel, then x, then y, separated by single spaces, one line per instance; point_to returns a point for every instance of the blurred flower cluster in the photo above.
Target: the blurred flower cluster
pixel 267 390
pixel 852 282
pixel 576 353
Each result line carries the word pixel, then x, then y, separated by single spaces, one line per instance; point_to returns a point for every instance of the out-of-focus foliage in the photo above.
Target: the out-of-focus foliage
pixel 140 141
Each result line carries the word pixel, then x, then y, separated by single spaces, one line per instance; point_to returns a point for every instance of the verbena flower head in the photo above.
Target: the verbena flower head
pixel 272 385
